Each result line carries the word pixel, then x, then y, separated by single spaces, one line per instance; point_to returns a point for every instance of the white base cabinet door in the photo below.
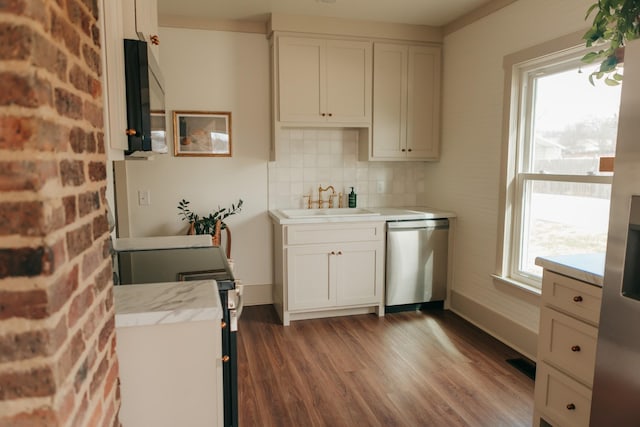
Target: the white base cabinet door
pixel 358 269
pixel 311 278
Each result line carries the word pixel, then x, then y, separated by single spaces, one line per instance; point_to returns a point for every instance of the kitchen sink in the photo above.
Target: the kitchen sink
pixel 327 213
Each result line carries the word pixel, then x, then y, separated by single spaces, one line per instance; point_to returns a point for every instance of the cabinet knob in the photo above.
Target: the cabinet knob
pixel 403 150
pixel 409 150
pixel 330 114
pixel 575 348
pixel 577 298
pixel 332 253
pixel 223 324
pixel 571 406
pixel 322 114
pixel 131 132
pixel 339 252
pixel 155 40
pixel 225 358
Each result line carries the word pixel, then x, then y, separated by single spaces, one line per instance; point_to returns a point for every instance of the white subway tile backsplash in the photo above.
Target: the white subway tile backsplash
pixel 336 146
pixel 297 175
pixel 324 160
pixel 312 157
pixel 324 146
pixel 310 160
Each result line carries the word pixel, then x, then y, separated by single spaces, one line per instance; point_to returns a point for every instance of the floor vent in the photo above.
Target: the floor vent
pixel 526 367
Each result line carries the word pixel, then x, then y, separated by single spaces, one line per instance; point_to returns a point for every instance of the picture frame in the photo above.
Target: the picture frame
pixel 202 133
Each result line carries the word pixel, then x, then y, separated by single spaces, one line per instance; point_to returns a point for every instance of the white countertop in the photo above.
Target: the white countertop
pixel 379 214
pixel 169 302
pixel 586 267
pixel 160 242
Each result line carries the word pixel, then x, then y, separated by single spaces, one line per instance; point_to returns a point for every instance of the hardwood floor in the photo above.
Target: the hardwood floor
pixel 427 368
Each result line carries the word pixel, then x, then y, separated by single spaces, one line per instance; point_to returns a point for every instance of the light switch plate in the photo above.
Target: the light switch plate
pixel 144 197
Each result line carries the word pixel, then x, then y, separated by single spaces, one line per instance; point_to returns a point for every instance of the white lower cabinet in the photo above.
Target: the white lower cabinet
pixel 171 374
pixel 329 269
pixel 566 351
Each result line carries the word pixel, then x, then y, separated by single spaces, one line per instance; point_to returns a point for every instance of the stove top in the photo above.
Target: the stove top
pixel 172 265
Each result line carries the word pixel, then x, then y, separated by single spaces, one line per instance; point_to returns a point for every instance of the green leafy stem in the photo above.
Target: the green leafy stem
pixel 207 224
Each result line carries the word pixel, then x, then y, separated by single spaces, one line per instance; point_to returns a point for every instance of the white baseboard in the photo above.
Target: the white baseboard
pixel 257 294
pixel 516 336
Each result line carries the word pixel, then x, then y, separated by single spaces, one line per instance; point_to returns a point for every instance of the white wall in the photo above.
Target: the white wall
pixel 468 175
pixel 213 71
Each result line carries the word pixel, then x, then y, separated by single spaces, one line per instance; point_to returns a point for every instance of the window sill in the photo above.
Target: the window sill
pixel 522 286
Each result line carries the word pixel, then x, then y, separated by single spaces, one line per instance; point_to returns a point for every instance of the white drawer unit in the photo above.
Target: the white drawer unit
pixel 566 351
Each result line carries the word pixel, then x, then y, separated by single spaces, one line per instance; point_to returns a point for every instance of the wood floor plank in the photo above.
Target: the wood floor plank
pixel 428 368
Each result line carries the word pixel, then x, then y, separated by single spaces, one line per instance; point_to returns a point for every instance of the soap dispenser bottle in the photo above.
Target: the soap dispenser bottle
pixel 352 198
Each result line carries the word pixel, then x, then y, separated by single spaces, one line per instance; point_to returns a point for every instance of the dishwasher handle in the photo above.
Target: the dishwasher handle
pixel 432 224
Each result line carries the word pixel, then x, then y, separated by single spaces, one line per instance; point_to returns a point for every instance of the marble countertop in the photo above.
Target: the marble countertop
pixel 169 302
pixel 379 214
pixel 145 243
pixel 586 267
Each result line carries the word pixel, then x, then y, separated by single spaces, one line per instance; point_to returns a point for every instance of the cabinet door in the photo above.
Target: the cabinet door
pixel 389 101
pixel 348 87
pixel 359 273
pixel 423 124
pixel 310 278
pixel 147 24
pixel 300 79
pixel 113 79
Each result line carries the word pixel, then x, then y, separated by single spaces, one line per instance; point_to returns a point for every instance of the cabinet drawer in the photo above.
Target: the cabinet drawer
pixel 561 400
pixel 568 344
pixel 334 233
pixel 572 296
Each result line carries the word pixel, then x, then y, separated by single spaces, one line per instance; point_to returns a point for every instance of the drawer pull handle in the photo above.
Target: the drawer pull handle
pixel 575 348
pixel 577 298
pixel 571 406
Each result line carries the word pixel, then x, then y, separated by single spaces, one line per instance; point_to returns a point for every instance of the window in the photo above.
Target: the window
pixel 556 200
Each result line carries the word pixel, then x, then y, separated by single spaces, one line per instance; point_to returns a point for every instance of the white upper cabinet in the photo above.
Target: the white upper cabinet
pixel 323 81
pixel 406 102
pixel 113 78
pixel 147 24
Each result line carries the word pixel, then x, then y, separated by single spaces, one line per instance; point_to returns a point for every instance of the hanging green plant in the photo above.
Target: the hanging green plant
pixel 616 23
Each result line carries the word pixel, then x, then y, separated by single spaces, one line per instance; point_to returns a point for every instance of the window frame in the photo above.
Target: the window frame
pixel 521 70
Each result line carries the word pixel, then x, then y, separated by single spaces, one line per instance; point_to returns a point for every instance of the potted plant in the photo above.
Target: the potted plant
pixel 616 23
pixel 211 224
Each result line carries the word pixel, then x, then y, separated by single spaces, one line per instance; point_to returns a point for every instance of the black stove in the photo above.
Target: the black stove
pixel 187 264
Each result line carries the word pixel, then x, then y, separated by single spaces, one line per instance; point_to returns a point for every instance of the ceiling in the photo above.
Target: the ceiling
pixel 419 12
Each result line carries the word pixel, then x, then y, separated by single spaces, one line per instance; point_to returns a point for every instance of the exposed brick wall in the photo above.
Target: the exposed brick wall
pixel 58 365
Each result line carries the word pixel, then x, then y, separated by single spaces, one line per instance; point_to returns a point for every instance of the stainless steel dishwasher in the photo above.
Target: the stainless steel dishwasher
pixel 416 261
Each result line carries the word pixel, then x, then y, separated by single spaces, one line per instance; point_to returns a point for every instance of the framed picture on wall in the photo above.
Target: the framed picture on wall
pixel 201 133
